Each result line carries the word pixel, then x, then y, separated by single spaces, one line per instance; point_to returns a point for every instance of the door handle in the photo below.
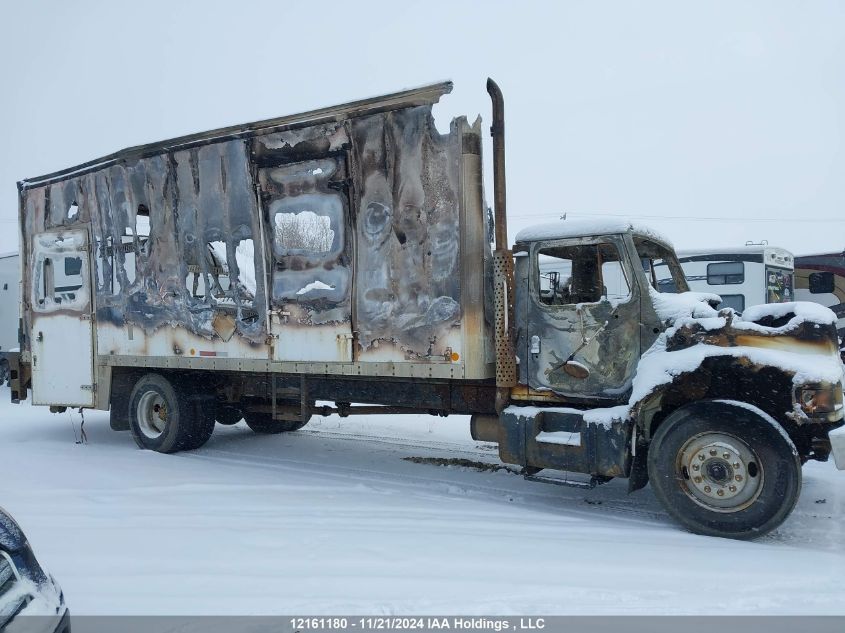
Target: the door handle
pixel 40 337
pixel 535 344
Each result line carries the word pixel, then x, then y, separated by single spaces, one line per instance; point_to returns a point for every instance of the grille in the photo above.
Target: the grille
pixel 12 597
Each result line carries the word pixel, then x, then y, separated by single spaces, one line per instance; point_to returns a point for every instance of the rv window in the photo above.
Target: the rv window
pixel 722 273
pixel 821 283
pixel 737 302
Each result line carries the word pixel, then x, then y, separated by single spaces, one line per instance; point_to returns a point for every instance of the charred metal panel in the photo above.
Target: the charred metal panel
pixel 408 233
pixel 151 221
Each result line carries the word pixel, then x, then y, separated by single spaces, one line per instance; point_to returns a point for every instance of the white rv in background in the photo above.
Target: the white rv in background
pixel 821 279
pixel 10 277
pixel 743 276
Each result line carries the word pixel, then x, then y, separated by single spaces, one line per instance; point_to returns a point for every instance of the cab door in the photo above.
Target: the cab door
pixel 306 210
pixel 62 319
pixel 582 321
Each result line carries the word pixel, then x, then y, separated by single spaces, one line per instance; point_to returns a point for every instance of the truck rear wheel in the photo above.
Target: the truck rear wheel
pixel 228 415
pixel 167 417
pixel 721 469
pixel 265 424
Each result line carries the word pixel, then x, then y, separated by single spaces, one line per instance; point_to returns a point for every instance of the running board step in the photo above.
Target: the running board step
pixel 586 485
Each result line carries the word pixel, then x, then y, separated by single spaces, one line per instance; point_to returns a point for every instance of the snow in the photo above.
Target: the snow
pixel 676 307
pixel 586 228
pixel 333 520
pixel 563 438
pixel 601 417
pixel 606 417
pixel 314 285
pixel 46 597
pixel 245 256
pixel 837 441
pixel 803 311
pixel 659 367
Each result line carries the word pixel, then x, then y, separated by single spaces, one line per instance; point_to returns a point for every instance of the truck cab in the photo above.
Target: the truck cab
pixel 583 301
pixel 617 379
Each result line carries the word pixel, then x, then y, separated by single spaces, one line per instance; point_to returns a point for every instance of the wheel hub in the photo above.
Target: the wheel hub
pixel 152 414
pixel 720 472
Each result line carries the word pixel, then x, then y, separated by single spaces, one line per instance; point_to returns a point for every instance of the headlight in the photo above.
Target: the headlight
pixel 820 400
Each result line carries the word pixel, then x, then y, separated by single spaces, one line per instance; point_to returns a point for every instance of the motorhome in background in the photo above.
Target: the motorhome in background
pixel 743 276
pixel 10 276
pixel 821 279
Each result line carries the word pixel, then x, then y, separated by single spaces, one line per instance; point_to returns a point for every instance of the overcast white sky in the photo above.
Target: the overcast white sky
pixel 716 122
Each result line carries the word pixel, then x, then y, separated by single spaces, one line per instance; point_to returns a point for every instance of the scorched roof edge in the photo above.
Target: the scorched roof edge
pixel 424 95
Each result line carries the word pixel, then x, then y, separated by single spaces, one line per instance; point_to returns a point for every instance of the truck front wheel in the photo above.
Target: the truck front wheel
pixel 167 417
pixel 723 469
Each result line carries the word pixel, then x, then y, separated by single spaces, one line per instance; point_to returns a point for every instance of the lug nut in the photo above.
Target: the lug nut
pixel 696 467
pixel 737 466
pixel 738 477
pixel 697 480
pixel 732 488
pixel 700 457
pixel 706 488
pixel 726 455
pixel 720 492
pixel 713 452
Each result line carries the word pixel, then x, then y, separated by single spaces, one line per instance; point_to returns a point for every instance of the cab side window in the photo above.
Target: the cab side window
pixel 581 273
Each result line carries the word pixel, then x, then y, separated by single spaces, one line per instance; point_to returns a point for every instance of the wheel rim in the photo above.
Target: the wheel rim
pixel 720 472
pixel 152 415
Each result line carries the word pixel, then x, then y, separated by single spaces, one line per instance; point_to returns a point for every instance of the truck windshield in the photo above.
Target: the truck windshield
pixel 661 266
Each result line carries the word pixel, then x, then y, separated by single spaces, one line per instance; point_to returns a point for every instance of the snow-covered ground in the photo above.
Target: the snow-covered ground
pixel 332 519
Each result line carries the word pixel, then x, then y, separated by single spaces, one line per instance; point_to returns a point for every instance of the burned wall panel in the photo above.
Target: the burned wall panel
pixel 407 230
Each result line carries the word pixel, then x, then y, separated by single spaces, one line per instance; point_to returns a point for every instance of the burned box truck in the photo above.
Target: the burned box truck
pixel 344 256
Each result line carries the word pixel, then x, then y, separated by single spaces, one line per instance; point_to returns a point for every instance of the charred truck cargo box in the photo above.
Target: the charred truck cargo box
pixel 344 255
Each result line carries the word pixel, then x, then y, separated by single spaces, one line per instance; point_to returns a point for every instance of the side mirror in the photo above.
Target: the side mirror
pixel 576 370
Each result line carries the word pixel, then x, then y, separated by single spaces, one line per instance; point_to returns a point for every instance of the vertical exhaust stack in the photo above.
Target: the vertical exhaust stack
pixel 497 131
pixel 506 376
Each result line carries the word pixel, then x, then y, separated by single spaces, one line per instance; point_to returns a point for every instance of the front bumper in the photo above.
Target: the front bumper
pixel 837 446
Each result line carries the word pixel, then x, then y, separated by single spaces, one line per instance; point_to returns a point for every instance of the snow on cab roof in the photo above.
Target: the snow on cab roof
pixel 586 227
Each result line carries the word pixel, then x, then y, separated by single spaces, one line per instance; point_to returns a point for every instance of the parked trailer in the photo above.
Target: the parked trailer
pixel 741 276
pixel 10 275
pixel 342 255
pixel 821 279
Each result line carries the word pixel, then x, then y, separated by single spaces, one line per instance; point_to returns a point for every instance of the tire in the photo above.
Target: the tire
pixel 749 473
pixel 228 415
pixel 168 416
pixel 265 424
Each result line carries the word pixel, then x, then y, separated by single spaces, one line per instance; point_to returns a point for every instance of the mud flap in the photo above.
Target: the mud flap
pixel 639 469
